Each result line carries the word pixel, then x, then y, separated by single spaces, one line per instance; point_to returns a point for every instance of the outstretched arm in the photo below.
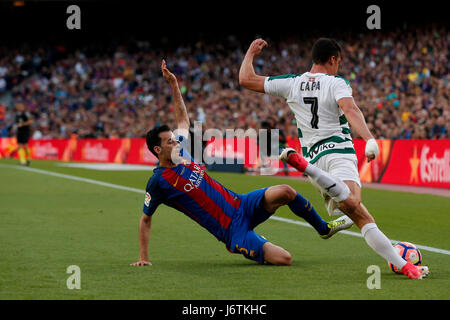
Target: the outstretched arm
pixel 356 120
pixel 144 235
pixel 180 108
pixel 247 76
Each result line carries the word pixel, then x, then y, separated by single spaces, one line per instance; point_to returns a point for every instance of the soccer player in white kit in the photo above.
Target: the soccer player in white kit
pixel 323 106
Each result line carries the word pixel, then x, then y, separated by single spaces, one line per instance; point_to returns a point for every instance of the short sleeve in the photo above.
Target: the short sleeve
pixel 279 86
pixel 341 89
pixel 153 196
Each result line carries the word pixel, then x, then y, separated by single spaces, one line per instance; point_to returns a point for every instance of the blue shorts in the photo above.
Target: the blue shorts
pixel 250 214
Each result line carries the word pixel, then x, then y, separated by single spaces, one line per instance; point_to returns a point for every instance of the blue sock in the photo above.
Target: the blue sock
pixel 304 209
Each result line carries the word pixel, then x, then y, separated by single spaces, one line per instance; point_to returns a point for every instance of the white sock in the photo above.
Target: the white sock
pixel 333 186
pixel 381 244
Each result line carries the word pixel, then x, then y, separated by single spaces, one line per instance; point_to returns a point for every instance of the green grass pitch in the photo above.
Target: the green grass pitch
pixel 48 223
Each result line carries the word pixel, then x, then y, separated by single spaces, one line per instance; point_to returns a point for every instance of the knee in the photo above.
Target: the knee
pixel 287 259
pixel 284 260
pixel 350 205
pixel 276 255
pixel 288 192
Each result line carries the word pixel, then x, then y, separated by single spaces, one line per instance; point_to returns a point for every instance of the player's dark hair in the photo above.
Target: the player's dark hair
pixel 153 139
pixel 323 49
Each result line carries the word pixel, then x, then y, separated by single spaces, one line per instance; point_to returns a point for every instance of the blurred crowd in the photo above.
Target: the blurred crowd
pixel 400 81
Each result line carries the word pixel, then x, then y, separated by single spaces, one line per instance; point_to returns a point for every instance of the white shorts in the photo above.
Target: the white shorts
pixel 342 166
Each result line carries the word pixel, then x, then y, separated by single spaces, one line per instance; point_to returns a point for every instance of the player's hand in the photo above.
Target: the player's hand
pixel 256 46
pixel 141 263
pixel 169 76
pixel 372 150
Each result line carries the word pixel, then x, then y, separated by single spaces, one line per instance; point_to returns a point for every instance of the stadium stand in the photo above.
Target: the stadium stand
pixel 400 81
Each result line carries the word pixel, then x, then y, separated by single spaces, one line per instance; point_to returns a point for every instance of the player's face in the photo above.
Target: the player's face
pixel 169 146
pixel 20 107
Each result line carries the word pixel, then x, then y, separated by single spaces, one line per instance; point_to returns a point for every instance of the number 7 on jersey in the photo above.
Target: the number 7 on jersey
pixel 313 101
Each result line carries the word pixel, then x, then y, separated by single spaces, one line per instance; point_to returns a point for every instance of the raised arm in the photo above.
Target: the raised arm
pixel 145 225
pixel 180 108
pixel 356 120
pixel 247 76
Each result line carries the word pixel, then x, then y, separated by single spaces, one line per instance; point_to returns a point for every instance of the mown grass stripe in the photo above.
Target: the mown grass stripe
pixel 136 190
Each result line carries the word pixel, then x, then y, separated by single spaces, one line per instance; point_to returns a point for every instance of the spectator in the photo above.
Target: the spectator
pixel 400 80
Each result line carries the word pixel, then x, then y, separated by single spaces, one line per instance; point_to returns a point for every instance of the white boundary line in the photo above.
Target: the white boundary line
pixel 135 190
pixel 75 178
pixel 358 234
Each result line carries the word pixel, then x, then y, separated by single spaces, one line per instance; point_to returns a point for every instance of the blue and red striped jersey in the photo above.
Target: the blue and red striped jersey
pixel 189 189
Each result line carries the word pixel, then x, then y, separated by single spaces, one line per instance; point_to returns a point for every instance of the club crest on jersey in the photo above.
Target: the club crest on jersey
pixel 148 197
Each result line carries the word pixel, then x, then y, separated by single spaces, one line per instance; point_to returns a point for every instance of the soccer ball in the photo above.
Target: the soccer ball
pixel 409 252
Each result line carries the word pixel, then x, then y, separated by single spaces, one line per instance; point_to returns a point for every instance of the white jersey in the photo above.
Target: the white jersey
pixel 312 97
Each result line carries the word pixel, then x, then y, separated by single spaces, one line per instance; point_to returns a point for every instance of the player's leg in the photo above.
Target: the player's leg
pixel 353 207
pixel 280 195
pixel 27 153
pixel 255 247
pixel 348 195
pixel 332 185
pixel 376 239
pixel 22 154
pixel 331 206
pixel 276 255
pixel 373 236
pixel 370 231
pixel 345 170
pixel 277 196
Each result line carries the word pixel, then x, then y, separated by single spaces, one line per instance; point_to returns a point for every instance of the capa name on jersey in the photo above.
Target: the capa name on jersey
pixel 309 86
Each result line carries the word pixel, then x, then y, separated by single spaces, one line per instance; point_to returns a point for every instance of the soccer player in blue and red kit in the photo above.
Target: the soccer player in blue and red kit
pixel 181 183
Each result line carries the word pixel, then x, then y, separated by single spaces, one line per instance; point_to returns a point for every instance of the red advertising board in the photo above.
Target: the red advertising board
pixel 48 149
pixel 98 150
pixel 407 162
pixel 419 163
pixel 244 149
pixel 139 153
